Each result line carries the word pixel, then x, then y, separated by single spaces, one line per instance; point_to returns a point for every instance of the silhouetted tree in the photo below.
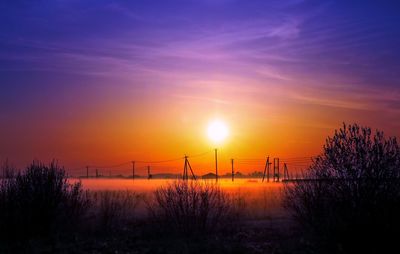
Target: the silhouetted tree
pixel 39 202
pixel 351 200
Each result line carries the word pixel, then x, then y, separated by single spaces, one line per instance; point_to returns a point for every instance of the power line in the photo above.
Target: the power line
pixel 243 159
pixel 161 161
pixel 76 169
pixel 200 154
pixel 112 166
pixel 303 161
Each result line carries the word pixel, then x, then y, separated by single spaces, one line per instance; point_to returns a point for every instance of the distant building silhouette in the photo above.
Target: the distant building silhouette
pixel 208 176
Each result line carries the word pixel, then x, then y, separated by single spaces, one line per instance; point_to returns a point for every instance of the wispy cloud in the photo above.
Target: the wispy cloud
pixel 272 46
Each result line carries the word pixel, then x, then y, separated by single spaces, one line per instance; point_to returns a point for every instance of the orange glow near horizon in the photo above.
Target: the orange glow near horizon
pixel 148 130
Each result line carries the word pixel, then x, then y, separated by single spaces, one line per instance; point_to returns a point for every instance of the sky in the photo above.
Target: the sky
pixel 100 82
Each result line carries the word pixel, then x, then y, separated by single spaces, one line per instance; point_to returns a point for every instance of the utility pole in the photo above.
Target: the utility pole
pixel 87 171
pixel 185 170
pixel 133 169
pixel 276 169
pixel 285 172
pixel 233 174
pixel 191 170
pixel 184 175
pixel 148 172
pixel 97 173
pixel 216 165
pixel 266 170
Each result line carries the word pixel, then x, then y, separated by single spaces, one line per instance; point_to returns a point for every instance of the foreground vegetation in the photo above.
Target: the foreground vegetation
pixel 349 202
pixel 42 212
pixel 40 202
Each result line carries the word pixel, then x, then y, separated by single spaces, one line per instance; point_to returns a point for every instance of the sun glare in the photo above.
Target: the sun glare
pixel 217 131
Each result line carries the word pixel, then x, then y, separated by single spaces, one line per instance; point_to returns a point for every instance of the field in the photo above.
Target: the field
pixel 260 200
pixel 45 212
pixel 261 225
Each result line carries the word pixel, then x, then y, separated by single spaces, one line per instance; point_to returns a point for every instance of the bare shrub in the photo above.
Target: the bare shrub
pixel 191 207
pixel 39 202
pixel 351 193
pixel 114 209
pixel 7 170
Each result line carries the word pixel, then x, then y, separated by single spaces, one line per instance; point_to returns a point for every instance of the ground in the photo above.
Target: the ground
pixel 274 235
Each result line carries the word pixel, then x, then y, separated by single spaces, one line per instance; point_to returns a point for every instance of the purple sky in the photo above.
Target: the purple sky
pixel 78 64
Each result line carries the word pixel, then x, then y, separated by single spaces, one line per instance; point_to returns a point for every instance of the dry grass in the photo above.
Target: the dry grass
pixel 114 209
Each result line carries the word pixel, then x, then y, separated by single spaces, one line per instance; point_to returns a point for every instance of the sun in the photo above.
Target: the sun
pixel 217 131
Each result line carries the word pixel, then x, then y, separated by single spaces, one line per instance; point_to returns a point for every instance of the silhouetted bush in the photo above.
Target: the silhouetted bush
pixel 114 209
pixel 350 199
pixel 7 170
pixel 40 202
pixel 191 207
